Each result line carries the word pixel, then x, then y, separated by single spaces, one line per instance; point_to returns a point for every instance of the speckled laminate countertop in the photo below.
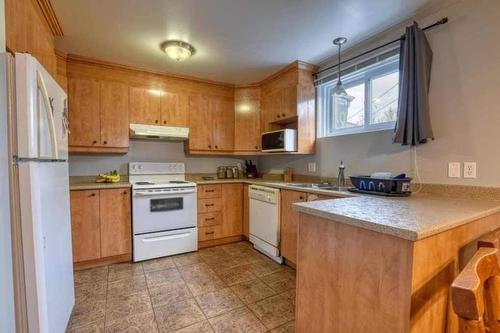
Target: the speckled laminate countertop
pixel 413 218
pixel 78 183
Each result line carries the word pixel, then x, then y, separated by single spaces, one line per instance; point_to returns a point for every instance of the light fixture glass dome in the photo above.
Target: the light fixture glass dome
pixel 339 90
pixel 178 50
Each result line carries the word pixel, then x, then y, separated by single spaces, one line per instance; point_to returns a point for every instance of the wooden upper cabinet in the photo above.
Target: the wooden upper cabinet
pixel 114 114
pixel 200 129
pixel 84 114
pixel 115 222
pixel 144 106
pixel 85 225
pixel 289 222
pixel 232 210
pixel 174 109
pixel 247 119
pixel 222 114
pixel 289 106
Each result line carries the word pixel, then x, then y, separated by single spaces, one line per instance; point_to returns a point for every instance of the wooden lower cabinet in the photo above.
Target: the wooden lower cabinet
pixel 85 225
pixel 220 216
pixel 289 222
pixel 101 226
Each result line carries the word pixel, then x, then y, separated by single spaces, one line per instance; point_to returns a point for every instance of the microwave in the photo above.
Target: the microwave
pixel 284 140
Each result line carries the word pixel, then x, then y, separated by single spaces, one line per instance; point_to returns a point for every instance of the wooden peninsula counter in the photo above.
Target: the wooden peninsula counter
pixel 367 264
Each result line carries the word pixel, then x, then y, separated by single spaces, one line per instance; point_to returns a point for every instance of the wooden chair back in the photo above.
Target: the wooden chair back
pixel 475 293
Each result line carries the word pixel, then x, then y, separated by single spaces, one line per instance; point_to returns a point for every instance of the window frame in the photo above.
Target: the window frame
pixel 365 75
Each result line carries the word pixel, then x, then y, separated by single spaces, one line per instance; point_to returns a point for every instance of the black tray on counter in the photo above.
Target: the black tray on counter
pixel 384 194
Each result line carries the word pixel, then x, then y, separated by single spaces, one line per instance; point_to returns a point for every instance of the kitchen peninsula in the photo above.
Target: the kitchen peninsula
pixel 368 264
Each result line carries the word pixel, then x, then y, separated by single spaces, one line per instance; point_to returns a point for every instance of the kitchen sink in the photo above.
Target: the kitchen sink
pixel 326 187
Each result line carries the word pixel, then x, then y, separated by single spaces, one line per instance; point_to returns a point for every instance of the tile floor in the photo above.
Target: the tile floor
pixel 228 288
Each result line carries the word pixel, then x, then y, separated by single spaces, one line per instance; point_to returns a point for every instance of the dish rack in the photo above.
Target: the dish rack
pixel 381 186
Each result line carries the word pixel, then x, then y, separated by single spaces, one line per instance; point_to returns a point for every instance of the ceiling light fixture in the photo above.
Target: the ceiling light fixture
pixel 177 49
pixel 339 88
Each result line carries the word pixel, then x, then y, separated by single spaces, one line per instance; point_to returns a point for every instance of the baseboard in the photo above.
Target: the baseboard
pixel 77 266
pixel 220 241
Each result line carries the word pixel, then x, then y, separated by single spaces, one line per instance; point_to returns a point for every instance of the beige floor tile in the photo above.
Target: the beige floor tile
pixel 196 270
pixel 280 281
pixel 203 284
pixel 240 320
pixel 124 271
pixel 187 259
pixel 275 310
pixel 175 316
pixel 236 275
pixel 91 275
pixel 97 327
pixel 170 275
pixel 158 264
pixel 88 292
pixel 142 322
pixel 127 286
pixel 285 328
pixel 218 302
pixel 265 267
pixel 169 293
pixel 88 311
pixel 201 327
pixel 252 291
pixel 127 305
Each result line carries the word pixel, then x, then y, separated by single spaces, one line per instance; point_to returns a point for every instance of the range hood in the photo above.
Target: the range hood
pixel 153 132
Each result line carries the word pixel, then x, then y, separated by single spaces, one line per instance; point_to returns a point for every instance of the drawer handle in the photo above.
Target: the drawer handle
pixel 124 193
pixel 209 205
pixel 209 233
pixel 167 237
pixel 92 195
pixel 208 191
pixel 210 219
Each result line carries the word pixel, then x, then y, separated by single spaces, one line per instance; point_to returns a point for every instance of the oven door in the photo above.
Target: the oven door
pixel 163 209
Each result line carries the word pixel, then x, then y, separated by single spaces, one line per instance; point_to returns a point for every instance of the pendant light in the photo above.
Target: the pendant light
pixel 339 88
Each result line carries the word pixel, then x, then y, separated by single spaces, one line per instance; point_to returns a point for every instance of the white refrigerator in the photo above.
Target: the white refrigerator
pixel 40 193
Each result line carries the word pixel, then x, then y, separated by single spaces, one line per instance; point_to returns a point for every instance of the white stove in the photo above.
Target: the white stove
pixel 164 210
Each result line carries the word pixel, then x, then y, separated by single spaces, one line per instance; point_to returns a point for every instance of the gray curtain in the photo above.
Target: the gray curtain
pixel 413 124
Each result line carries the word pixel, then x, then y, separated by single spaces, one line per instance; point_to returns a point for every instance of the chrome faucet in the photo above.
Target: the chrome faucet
pixel 341 178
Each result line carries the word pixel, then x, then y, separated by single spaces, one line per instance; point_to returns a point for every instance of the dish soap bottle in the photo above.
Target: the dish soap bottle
pixel 341 178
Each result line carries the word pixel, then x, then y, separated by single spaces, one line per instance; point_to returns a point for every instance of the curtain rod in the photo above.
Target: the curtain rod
pixel 444 20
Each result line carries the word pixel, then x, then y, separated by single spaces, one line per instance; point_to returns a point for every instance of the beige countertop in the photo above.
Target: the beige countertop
pixel 77 183
pixel 413 218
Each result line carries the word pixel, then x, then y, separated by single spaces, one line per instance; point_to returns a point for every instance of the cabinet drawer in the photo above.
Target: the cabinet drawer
pixel 209 205
pixel 209 219
pixel 208 233
pixel 209 191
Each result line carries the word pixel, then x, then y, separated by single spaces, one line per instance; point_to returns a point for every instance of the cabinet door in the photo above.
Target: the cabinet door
pixel 144 106
pixel 265 113
pixel 200 123
pixel 84 117
pixel 247 119
pixel 289 222
pixel 174 109
pixel 277 105
pixel 289 108
pixel 222 113
pixel 232 210
pixel 85 225
pixel 114 114
pixel 116 233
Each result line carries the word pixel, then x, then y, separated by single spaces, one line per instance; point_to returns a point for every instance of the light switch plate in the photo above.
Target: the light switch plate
pixel 470 170
pixel 454 170
pixel 311 167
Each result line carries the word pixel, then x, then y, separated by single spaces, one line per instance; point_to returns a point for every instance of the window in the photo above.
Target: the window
pixel 371 104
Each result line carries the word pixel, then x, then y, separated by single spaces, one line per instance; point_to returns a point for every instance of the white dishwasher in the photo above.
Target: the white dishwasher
pixel 265 220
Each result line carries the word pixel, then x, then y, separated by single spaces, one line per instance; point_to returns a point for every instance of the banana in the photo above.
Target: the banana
pixel 109 177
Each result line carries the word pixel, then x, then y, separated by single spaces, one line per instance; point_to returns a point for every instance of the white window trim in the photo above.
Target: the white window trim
pixel 385 67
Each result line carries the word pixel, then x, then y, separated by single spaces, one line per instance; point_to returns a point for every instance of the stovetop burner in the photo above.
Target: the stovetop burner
pixel 178 182
pixel 144 183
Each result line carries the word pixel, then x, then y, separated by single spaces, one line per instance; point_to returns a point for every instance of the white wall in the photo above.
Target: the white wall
pixel 145 151
pixel 464 100
pixel 7 317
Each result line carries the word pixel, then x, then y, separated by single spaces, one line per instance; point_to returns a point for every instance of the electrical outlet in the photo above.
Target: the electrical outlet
pixel 470 170
pixel 454 170
pixel 311 167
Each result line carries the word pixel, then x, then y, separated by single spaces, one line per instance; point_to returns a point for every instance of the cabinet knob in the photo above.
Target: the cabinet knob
pixel 283 114
pixel 92 195
pixel 216 147
pixel 256 147
pixel 94 142
pixel 164 122
pixel 278 116
pixel 210 146
pixel 124 192
pixel 105 142
pixel 301 198
pixel 156 121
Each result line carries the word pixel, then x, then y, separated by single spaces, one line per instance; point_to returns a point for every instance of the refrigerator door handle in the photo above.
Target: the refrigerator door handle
pixel 50 116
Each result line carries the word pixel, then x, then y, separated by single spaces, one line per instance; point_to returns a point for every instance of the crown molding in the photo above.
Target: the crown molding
pixel 50 17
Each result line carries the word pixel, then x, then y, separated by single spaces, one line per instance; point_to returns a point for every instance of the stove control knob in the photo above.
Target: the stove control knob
pixel 140 167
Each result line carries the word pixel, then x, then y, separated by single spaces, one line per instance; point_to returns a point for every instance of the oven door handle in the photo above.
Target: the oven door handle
pixel 167 237
pixel 150 194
